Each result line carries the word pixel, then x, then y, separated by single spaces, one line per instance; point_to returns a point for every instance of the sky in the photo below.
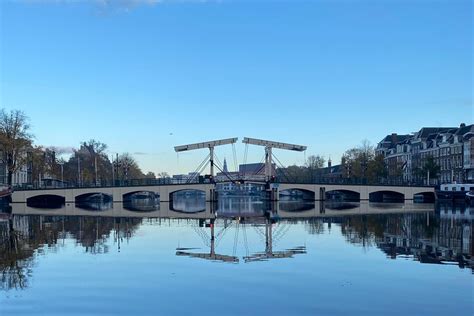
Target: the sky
pixel 144 76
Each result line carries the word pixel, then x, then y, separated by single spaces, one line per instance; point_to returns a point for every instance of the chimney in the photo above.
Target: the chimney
pixel 394 137
pixel 329 163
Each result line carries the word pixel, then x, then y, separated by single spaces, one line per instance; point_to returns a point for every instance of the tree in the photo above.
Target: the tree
pixel 431 168
pixel 89 165
pixel 163 174
pixel 42 162
pixel 15 139
pixel 376 169
pixel 356 161
pixel 129 167
pixel 315 162
pixel 150 175
pixel 293 174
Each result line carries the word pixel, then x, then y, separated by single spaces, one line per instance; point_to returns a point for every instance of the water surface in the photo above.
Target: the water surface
pixel 238 257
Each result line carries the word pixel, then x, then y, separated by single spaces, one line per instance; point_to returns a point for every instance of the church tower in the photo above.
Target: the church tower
pixel 225 166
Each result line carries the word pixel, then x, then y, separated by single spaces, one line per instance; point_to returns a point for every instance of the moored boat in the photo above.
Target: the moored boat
pixel 470 197
pixel 5 191
pixel 453 191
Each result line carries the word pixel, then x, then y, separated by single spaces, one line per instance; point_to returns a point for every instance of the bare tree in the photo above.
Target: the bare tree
pixel 315 162
pixel 163 174
pixel 15 138
pixel 129 166
pixel 150 175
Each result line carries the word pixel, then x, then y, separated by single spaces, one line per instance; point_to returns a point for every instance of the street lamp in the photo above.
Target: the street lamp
pixel 61 163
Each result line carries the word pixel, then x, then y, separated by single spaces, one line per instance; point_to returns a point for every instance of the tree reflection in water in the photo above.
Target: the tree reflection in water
pixel 425 237
pixel 24 237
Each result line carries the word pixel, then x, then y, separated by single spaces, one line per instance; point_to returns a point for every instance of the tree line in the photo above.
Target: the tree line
pixel 360 164
pixel 88 165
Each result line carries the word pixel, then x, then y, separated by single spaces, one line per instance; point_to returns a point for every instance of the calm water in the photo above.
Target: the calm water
pixel 286 259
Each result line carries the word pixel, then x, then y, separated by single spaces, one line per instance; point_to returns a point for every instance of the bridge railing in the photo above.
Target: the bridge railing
pixel 353 181
pixel 173 181
pixel 106 183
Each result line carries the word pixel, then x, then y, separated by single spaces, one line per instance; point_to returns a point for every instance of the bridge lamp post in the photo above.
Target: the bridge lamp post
pixel 78 171
pixel 113 171
pixel 61 163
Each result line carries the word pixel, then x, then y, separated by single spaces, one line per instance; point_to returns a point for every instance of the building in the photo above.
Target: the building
pixel 248 172
pixel 330 174
pixel 468 156
pixel 19 178
pixel 191 177
pixel 449 148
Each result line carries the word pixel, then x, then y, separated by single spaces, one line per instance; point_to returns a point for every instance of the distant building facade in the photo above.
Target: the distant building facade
pixel 191 177
pixel 19 178
pixel 249 172
pixel 449 147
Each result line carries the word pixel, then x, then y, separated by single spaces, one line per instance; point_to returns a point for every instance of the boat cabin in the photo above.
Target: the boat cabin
pixel 457 187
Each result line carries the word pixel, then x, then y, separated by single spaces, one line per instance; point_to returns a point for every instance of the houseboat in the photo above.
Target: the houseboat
pixel 454 191
pixel 5 191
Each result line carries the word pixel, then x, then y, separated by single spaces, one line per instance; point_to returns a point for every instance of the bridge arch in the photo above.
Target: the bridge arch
pixel 141 200
pixel 342 195
pixel 296 194
pixel 388 196
pixel 188 200
pixel 51 201
pixel 94 201
pixel 424 197
pixel 187 193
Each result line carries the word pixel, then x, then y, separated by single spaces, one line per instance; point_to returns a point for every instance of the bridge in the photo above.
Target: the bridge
pixel 207 191
pixel 373 193
pixel 277 191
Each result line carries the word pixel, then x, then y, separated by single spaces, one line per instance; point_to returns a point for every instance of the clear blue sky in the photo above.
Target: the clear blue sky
pixel 143 77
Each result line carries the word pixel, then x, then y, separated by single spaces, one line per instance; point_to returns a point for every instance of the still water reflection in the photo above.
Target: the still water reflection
pixel 292 257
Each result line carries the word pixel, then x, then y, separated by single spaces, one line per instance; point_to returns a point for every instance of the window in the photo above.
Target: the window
pixel 454 189
pixel 462 188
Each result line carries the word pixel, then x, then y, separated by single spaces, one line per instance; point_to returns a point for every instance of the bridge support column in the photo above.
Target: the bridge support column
pixel 275 194
pixel 211 160
pixel 322 193
pixel 364 194
pixel 272 192
pixel 268 164
pixel 212 195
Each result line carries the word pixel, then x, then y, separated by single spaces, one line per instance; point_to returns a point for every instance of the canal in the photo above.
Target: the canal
pixel 241 255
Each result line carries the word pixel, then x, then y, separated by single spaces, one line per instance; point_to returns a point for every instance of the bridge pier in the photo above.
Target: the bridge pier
pixel 211 195
pixel 364 194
